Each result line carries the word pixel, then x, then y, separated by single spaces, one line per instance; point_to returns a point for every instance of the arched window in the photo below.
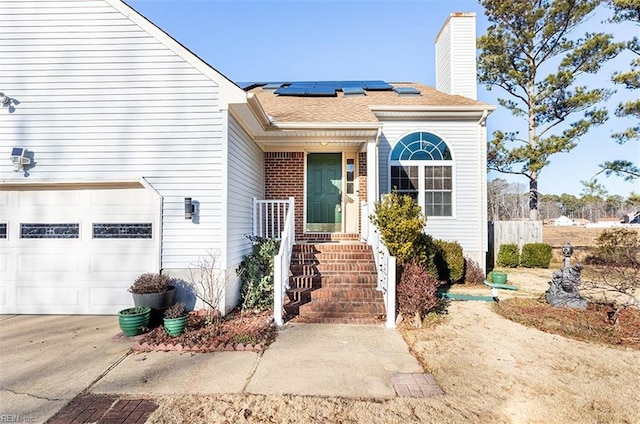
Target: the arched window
pixel 421 166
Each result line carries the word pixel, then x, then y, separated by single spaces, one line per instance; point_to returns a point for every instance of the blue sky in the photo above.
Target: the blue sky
pixel 364 39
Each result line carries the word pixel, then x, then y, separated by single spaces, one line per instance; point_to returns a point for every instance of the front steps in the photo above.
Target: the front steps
pixel 334 283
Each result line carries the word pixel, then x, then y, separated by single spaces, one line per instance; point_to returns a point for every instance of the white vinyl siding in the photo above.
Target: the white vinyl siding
pixel 102 96
pixel 462 137
pixel 456 56
pixel 245 178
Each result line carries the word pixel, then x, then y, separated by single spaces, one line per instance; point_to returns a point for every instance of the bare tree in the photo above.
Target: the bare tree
pixel 209 282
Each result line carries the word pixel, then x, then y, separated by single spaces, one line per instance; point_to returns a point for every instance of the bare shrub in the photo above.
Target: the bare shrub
pixel 208 282
pixel 417 292
pixel 473 273
pixel 616 269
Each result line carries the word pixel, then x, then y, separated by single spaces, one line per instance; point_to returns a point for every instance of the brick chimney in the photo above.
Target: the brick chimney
pixel 456 70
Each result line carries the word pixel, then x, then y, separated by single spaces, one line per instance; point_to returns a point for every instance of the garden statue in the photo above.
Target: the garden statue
pixel 563 289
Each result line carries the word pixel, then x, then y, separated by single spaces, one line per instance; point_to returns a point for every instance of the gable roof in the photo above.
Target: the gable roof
pixel 360 109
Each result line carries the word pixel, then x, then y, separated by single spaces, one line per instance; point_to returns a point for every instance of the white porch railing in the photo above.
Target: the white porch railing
pixel 385 263
pixel 269 217
pixel 282 261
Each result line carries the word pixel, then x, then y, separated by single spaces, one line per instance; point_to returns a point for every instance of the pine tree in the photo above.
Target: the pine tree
pixel 525 39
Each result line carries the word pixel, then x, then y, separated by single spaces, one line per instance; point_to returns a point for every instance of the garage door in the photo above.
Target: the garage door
pixel 74 251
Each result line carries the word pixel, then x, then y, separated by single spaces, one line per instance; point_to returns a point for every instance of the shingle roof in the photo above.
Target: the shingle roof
pixel 352 108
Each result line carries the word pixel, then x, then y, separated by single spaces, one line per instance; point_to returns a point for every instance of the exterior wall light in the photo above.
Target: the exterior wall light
pixel 189 208
pixel 18 158
pixel 5 100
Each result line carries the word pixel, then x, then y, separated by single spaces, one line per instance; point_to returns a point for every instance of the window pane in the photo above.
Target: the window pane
pixel 128 231
pixel 404 179
pixel 3 231
pixel 34 231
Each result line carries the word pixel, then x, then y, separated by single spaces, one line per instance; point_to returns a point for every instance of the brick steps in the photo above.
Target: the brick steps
pixel 334 283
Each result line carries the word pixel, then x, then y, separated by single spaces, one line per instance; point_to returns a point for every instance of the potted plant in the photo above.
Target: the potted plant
pixel 134 321
pixel 155 291
pixel 175 319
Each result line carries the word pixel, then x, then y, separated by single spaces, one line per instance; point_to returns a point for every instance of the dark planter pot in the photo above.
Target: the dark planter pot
pixel 133 321
pixel 158 302
pixel 175 326
pixel 499 277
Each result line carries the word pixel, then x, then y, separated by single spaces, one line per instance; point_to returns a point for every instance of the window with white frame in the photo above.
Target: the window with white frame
pixel 422 167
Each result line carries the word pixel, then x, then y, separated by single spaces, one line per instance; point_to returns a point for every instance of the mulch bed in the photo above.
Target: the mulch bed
pixel 246 331
pixel 592 325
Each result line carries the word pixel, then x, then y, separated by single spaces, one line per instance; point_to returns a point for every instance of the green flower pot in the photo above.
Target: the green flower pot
pixel 175 326
pixel 133 320
pixel 499 277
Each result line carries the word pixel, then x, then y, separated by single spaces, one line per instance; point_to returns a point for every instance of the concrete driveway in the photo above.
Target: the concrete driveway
pixel 47 360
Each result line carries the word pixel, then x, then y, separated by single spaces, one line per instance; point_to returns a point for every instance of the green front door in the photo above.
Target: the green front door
pixel 324 192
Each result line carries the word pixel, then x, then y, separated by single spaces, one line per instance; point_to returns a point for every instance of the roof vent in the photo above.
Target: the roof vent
pixel 353 91
pixel 407 91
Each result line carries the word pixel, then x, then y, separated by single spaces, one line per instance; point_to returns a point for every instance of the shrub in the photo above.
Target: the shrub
pixel 427 253
pixel 614 244
pixel 176 311
pixel 150 282
pixel 450 261
pixel 508 255
pixel 417 291
pixel 401 221
pixel 473 273
pixel 256 273
pixel 536 255
pixel 618 253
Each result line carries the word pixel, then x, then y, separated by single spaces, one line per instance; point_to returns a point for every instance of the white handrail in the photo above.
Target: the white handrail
pixel 385 263
pixel 282 261
pixel 269 217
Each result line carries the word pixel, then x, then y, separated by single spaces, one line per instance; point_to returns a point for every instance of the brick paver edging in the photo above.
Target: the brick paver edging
pixel 415 385
pixel 146 347
pixel 104 410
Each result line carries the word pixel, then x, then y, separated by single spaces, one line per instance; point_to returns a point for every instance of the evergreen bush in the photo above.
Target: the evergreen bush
pixel 401 222
pixel 450 261
pixel 509 255
pixel 536 255
pixel 256 273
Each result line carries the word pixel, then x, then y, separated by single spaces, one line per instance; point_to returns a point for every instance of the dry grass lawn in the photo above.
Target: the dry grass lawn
pixel 491 369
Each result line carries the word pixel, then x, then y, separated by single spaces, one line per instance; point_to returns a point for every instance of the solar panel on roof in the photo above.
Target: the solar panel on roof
pixel 291 91
pixel 247 85
pixel 376 85
pixel 320 90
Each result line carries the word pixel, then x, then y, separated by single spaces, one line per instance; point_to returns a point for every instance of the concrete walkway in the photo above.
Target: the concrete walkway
pixel 46 361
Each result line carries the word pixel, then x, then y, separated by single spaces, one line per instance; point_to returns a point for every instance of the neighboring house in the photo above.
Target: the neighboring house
pixel 122 127
pixel 563 221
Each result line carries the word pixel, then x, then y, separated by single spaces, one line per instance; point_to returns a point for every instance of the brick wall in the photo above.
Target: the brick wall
pixel 284 177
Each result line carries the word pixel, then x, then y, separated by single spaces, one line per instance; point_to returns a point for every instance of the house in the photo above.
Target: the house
pixel 126 153
pixel 563 221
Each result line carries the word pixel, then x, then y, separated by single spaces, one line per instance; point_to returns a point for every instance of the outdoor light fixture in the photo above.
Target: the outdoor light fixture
pixel 18 158
pixel 5 100
pixel 189 208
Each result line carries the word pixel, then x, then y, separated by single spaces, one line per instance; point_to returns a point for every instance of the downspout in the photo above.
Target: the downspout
pixel 482 151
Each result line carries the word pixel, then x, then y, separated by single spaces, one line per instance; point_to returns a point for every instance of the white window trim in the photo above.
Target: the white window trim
pixel 421 164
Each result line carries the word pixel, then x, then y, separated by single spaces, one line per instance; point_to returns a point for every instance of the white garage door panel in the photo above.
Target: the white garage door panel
pixel 109 300
pixel 47 263
pixel 124 263
pixel 45 296
pixel 83 275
